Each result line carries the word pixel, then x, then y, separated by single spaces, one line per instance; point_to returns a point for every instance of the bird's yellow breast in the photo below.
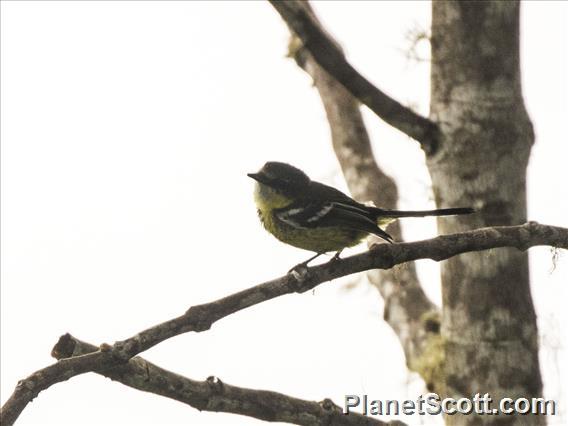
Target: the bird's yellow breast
pixel 319 239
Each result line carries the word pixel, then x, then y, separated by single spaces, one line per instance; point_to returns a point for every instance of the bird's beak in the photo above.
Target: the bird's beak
pixel 261 178
pixel 255 176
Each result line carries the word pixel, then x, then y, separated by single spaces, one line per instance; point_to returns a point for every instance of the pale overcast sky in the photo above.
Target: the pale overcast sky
pixel 127 132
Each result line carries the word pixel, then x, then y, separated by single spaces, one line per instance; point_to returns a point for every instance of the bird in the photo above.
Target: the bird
pixel 319 218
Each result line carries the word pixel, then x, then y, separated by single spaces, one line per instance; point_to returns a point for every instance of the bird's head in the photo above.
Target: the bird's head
pixel 277 184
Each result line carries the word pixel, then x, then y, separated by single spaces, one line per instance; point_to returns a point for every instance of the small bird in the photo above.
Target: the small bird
pixel 316 217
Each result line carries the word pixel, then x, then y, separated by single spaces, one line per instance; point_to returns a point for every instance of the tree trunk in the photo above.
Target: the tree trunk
pixel 489 323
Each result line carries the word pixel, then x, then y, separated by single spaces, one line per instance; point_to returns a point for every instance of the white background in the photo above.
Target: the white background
pixel 127 132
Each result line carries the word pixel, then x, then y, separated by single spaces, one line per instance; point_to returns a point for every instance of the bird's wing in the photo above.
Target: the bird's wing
pixel 329 214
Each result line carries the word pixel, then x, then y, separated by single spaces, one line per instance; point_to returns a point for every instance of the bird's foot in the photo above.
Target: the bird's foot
pixel 301 269
pixel 299 272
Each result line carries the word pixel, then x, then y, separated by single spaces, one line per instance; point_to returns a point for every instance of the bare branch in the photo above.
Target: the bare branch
pixel 215 395
pixel 406 304
pixel 327 54
pixel 201 317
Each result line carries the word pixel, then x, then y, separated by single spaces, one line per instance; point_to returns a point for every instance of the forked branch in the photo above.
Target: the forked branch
pixel 330 57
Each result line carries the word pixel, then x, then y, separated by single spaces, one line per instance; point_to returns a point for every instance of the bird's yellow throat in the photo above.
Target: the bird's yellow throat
pixel 267 198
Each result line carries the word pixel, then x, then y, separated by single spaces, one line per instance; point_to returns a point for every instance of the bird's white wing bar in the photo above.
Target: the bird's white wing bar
pixel 325 214
pixel 320 213
pixel 305 217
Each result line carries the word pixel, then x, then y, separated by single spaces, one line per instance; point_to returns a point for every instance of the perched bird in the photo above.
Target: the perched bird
pixel 316 217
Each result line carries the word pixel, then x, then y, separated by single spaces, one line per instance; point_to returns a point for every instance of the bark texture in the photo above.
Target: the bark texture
pixel 489 329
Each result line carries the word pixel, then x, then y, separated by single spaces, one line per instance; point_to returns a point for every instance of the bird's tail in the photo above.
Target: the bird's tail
pixel 392 214
pixel 384 217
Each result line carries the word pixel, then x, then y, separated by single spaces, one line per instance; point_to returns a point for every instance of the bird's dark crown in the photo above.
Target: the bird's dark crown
pixel 280 176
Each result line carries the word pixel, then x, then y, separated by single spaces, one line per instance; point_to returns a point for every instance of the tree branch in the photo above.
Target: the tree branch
pixel 216 396
pixel 327 54
pixel 201 317
pixel 407 309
